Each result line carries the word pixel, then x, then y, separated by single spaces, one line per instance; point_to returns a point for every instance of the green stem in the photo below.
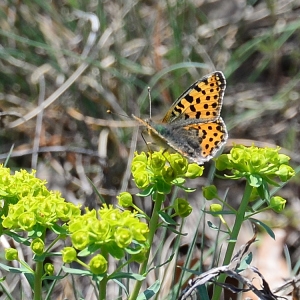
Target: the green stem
pixel 103 282
pixel 38 274
pixel 240 216
pixel 58 238
pixel 38 280
pixel 158 198
pixel 102 288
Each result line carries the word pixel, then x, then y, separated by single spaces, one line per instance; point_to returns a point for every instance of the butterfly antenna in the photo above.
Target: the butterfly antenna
pixel 116 114
pixel 150 102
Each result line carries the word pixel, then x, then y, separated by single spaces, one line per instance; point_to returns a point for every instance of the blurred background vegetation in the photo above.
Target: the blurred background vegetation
pixel 63 64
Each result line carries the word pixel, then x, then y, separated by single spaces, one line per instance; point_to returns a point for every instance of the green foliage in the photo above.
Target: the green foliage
pixel 31 209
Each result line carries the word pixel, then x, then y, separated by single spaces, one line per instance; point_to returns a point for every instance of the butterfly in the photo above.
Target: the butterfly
pixel 193 126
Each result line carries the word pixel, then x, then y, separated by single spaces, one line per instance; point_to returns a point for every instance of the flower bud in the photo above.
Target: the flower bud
pixel 69 254
pixel 98 264
pixel 277 204
pixel 139 162
pixel 140 231
pixel 11 254
pixel 142 157
pixel 215 207
pixel 49 269
pixel 125 199
pixel 283 159
pixel 223 163
pixel 141 256
pixel 210 192
pixel 285 172
pixel 37 246
pixel 182 207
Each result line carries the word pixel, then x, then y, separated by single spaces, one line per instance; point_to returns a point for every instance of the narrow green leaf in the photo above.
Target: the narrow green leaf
pixel 76 271
pixel 266 227
pixel 122 275
pixel 166 218
pixel 150 291
pixel 146 192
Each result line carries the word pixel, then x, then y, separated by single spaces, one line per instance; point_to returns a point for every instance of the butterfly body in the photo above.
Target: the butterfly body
pixel 193 126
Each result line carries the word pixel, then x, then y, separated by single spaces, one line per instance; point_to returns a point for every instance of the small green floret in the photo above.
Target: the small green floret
pixel 194 171
pixel 11 254
pixel 49 269
pixel 215 207
pixel 157 162
pixel 98 264
pixel 277 203
pixel 37 246
pixel 69 255
pixel 285 172
pixel 182 207
pixel 80 239
pixel 168 174
pixel 123 237
pixel 178 163
pixel 141 256
pixel 26 221
pixel 210 192
pixel 141 179
pixel 125 199
pixel 139 162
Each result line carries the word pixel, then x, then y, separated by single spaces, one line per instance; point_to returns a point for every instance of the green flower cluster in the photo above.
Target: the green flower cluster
pixel 261 167
pixel 161 170
pixel 19 185
pixel 27 203
pixel 256 164
pixel 114 231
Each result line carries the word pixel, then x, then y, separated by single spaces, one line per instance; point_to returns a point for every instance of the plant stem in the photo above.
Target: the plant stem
pixel 103 282
pixel 233 238
pixel 39 269
pixel 38 280
pixel 158 200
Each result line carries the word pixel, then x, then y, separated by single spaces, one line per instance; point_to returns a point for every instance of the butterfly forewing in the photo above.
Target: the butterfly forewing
pixel 201 102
